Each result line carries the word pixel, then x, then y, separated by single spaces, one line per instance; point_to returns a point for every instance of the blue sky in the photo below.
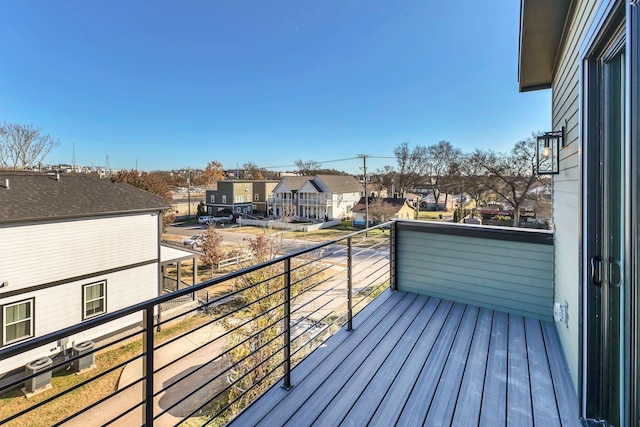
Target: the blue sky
pixel 171 84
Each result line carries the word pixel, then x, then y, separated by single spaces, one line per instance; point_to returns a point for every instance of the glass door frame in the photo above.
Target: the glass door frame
pixel 631 275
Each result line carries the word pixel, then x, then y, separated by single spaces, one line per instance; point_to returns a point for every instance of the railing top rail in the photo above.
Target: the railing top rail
pixel 149 305
pixel 525 235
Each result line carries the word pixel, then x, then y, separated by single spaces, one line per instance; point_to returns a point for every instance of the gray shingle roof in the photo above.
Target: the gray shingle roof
pixel 341 183
pixel 36 197
pixel 396 202
pixel 295 183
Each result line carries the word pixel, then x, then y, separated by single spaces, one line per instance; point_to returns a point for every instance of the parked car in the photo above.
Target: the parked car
pixel 194 241
pixel 204 219
pixel 216 219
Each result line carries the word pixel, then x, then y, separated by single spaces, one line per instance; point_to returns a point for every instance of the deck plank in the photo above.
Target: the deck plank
pixel 337 401
pixel 367 388
pixel 545 407
pixel 393 402
pixel 417 360
pixel 380 384
pixel 365 320
pixel 564 391
pixel 444 401
pixel 494 398
pixel 519 411
pixel 417 405
pixel 363 340
pixel 467 410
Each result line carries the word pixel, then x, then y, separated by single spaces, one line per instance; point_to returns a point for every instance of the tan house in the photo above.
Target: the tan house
pixel 382 209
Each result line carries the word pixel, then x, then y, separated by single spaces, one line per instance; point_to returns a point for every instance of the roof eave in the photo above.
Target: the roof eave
pixel 542 26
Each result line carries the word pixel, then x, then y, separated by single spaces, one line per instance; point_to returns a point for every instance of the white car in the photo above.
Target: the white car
pixel 194 241
pixel 215 219
pixel 204 219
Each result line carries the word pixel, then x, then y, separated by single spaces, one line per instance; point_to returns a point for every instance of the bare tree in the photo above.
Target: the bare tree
pixel 24 146
pixel 255 347
pixel 442 165
pixel 473 180
pixel 212 248
pixel 411 166
pixel 511 175
pixel 252 171
pixel 383 179
pixel 380 210
pixel 307 167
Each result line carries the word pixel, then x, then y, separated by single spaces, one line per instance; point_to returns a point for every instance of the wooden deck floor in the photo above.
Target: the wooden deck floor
pixel 413 360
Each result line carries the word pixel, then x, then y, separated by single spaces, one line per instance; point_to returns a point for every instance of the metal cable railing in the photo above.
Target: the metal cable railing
pixel 209 361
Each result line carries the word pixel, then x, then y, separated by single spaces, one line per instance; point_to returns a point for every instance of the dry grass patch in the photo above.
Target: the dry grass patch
pixel 87 394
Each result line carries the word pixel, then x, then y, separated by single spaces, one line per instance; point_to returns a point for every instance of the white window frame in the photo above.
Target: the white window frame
pixel 224 198
pixel 30 319
pixel 102 283
pixel 256 197
pixel 213 198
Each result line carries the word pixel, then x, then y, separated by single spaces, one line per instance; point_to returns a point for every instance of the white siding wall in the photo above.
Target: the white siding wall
pixel 36 254
pixel 566 185
pixel 342 208
pixel 64 250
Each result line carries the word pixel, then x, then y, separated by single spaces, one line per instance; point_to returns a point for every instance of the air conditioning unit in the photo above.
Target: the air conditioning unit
pixel 39 381
pixel 88 357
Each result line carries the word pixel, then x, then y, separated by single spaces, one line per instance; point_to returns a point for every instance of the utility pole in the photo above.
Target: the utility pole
pixel 366 192
pixel 188 193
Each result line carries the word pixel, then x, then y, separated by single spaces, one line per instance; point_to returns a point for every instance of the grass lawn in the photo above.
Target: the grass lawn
pixel 86 395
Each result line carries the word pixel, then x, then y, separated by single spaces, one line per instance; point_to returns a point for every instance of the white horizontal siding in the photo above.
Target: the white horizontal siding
pixel 36 254
pixel 61 306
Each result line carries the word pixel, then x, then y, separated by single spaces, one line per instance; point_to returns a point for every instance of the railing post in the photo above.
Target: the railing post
pixel 393 244
pixel 349 286
pixel 147 361
pixel 287 324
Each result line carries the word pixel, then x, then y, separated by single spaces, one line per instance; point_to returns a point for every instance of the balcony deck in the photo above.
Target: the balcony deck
pixel 417 360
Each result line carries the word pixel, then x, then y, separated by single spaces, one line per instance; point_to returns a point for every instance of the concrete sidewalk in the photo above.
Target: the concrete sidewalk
pixel 193 387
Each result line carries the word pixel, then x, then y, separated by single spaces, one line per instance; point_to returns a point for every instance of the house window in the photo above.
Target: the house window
pixel 224 198
pixel 238 210
pixel 94 299
pixel 17 321
pixel 256 197
pixel 213 198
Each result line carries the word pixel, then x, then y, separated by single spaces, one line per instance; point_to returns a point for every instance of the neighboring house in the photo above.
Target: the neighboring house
pixel 587 52
pixel 383 209
pixel 446 202
pixel 316 198
pixel 262 195
pixel 240 196
pixel 72 247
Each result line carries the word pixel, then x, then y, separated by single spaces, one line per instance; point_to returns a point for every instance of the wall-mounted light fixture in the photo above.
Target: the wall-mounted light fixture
pixel 548 152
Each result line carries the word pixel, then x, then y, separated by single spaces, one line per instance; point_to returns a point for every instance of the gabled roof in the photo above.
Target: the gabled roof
pixel 294 183
pixel 32 197
pixel 340 183
pixel 395 202
pixel 542 25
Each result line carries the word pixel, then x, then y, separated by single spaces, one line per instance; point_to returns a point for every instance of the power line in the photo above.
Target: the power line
pixel 330 161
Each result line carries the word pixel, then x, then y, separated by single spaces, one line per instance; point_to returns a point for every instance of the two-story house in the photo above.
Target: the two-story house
pixel 72 247
pixel 316 198
pixel 240 196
